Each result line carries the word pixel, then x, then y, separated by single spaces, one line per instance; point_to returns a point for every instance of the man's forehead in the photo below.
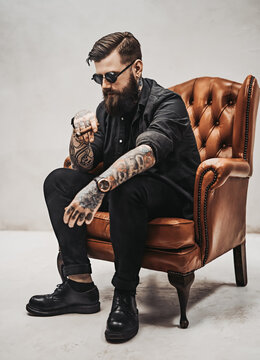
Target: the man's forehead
pixel 109 63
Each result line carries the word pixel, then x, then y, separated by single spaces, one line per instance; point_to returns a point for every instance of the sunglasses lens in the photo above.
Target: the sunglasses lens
pixel 111 76
pixel 97 78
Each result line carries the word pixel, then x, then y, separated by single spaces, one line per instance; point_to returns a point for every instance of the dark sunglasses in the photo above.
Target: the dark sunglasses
pixel 110 76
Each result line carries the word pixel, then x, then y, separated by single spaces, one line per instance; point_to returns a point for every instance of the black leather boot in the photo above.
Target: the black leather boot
pixel 64 300
pixel 122 323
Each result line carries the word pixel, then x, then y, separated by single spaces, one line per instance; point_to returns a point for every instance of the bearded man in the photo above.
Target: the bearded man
pixel 142 133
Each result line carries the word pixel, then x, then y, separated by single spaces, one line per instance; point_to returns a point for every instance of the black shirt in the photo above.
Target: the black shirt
pixel 160 119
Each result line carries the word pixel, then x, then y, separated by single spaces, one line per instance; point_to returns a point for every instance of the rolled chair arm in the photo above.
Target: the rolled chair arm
pixel 222 168
pixel 219 205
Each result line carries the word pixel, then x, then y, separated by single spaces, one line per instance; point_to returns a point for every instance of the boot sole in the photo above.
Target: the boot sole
pixel 119 337
pixel 80 309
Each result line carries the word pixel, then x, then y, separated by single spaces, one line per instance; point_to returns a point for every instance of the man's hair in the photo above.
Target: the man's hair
pixel 125 43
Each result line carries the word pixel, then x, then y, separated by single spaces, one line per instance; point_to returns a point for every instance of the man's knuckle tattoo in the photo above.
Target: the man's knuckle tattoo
pixel 89 216
pixel 81 216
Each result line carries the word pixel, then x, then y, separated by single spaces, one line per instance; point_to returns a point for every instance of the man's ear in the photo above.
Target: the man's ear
pixel 138 68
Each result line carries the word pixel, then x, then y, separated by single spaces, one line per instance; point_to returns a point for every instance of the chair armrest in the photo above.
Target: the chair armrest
pixel 67 163
pixel 222 168
pixel 220 194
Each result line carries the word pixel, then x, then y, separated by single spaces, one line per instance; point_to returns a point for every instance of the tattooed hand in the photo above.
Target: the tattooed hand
pixel 86 121
pixel 84 206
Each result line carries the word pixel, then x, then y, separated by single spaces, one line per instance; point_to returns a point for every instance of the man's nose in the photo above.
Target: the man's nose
pixel 106 84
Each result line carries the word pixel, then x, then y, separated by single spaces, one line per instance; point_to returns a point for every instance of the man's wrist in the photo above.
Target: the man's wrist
pixel 104 185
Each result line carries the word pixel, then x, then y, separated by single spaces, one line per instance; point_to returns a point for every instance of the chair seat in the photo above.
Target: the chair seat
pixel 163 233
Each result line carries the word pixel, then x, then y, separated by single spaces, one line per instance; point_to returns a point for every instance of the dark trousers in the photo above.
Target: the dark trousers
pixel 131 206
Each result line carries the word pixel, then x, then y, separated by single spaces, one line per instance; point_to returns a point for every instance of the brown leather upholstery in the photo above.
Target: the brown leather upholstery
pixel 223 115
pixel 161 260
pixel 163 233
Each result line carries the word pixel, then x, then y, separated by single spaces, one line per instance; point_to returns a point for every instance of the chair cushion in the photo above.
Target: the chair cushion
pixel 163 233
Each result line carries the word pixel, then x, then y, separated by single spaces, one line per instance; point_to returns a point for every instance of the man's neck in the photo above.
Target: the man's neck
pixel 140 85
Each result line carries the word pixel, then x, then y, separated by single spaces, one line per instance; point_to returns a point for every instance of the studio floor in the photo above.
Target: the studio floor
pixel 224 319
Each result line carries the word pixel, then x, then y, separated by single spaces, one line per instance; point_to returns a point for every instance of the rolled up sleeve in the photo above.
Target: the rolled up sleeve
pixel 167 127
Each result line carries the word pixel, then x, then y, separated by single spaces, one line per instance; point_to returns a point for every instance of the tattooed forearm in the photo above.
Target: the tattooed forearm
pixel 81 154
pixel 87 202
pixel 130 164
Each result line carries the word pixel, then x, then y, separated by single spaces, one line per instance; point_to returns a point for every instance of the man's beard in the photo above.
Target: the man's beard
pixel 124 101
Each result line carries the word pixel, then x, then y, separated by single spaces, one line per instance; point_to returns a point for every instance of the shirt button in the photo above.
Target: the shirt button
pixel 120 140
pixel 122 118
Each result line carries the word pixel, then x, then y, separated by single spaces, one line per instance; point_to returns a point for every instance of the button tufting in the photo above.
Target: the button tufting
pixel 230 102
pixel 224 146
pixel 216 123
pixel 120 140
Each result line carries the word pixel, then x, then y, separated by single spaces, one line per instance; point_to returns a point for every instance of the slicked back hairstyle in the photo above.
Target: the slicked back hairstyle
pixel 126 44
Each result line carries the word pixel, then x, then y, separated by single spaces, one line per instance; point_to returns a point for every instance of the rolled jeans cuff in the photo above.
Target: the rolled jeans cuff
pixel 122 284
pixel 77 269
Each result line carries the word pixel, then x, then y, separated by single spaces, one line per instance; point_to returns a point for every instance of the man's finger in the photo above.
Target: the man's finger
pixel 67 214
pixel 77 129
pixel 81 219
pixel 91 136
pixel 82 125
pixel 89 218
pixel 93 122
pixel 73 218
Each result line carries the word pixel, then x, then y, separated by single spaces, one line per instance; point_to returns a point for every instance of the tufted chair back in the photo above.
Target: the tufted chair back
pixel 219 114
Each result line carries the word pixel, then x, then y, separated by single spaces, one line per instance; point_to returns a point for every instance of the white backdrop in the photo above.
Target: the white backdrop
pixel 45 79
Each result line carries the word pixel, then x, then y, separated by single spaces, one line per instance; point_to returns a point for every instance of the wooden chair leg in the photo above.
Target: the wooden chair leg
pixel 182 282
pixel 239 254
pixel 60 266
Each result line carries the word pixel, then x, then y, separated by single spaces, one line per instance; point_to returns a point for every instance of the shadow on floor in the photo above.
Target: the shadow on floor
pixel 162 303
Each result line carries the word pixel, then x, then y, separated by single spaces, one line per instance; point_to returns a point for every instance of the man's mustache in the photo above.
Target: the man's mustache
pixel 108 92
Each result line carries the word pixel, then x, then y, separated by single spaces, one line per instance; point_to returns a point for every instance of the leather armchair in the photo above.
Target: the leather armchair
pixel 223 116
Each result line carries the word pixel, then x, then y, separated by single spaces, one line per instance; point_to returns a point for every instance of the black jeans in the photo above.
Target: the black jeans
pixel 131 206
